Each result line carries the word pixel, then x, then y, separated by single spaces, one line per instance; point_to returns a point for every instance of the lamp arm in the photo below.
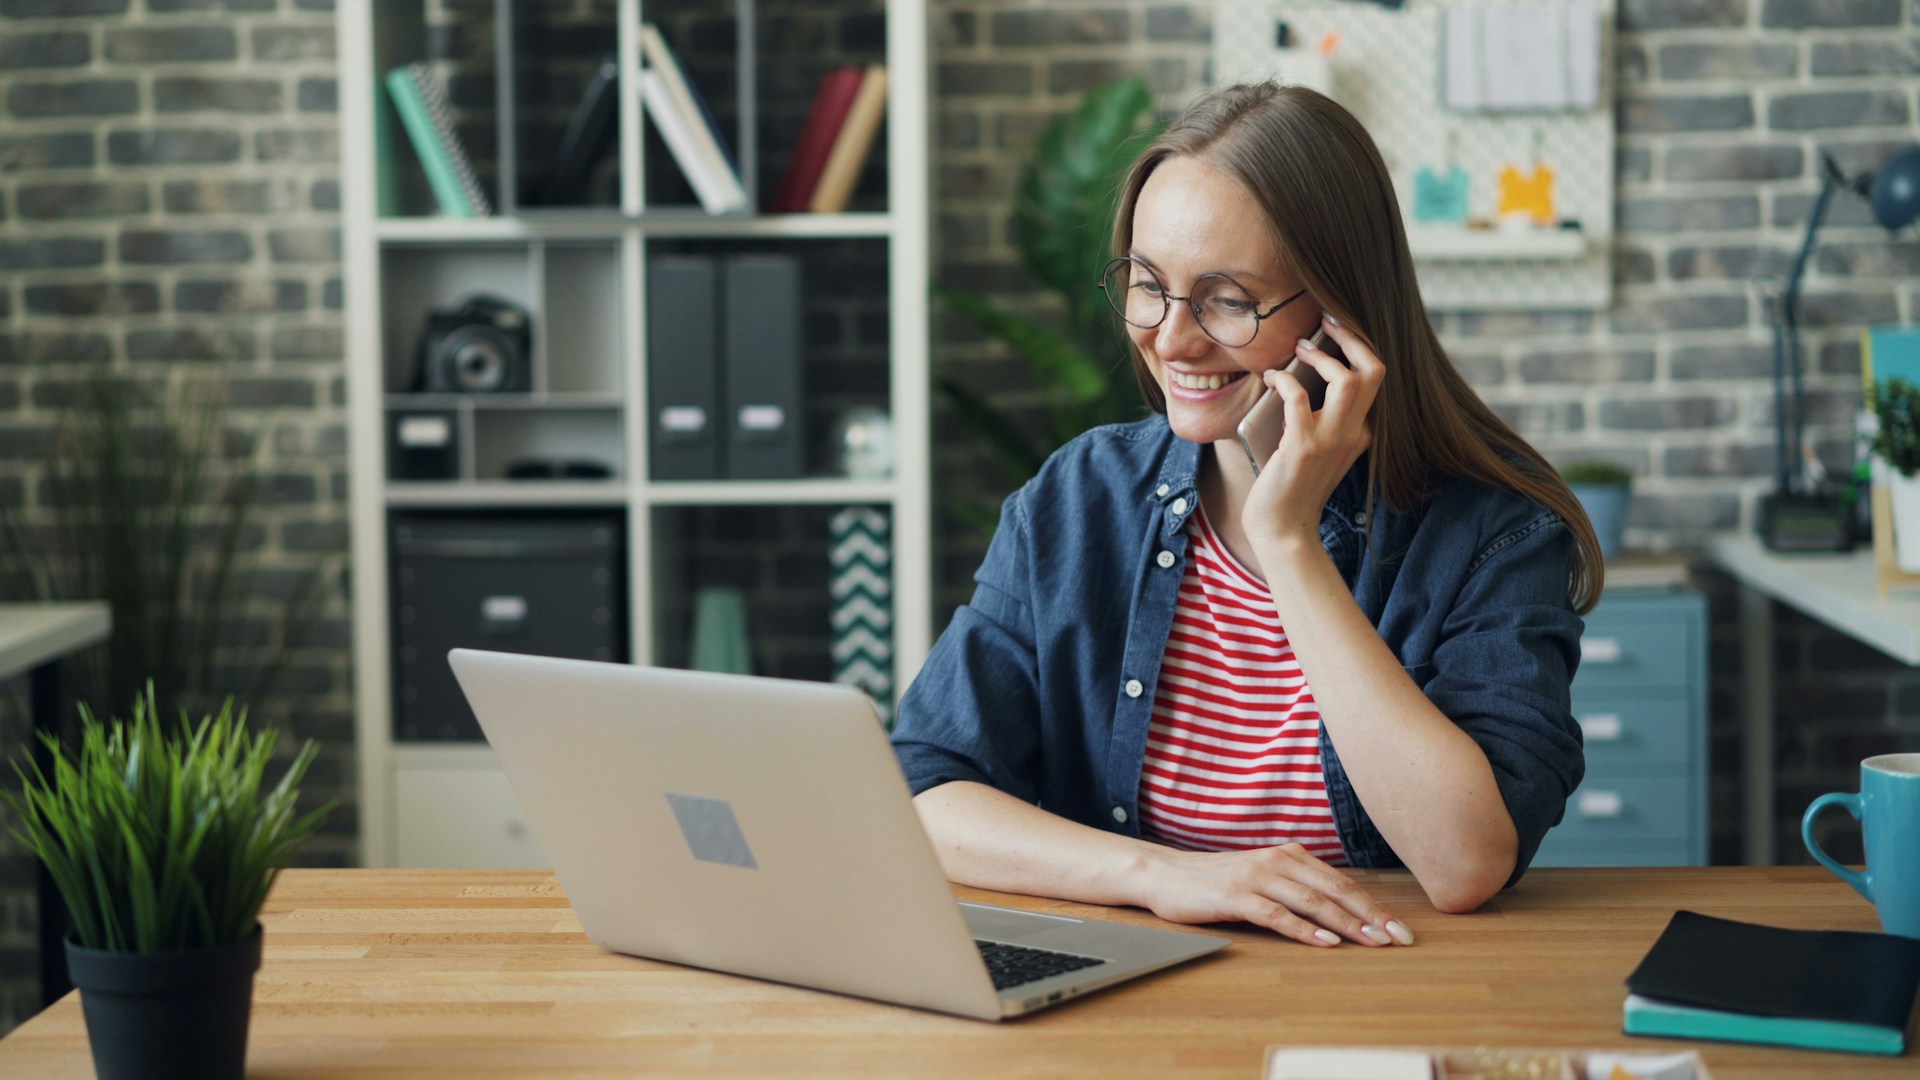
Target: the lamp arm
pixel 1789 422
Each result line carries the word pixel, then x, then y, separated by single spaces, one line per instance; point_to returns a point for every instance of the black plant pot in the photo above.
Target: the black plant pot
pixel 161 1016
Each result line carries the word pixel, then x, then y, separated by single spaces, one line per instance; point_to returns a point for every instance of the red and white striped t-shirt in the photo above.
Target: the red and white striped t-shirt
pixel 1233 754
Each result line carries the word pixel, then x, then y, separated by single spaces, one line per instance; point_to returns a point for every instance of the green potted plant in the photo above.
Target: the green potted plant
pixel 163 844
pixel 1605 490
pixel 1895 404
pixel 1063 224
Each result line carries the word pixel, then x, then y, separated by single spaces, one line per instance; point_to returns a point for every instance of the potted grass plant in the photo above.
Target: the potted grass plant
pixel 1605 490
pixel 164 840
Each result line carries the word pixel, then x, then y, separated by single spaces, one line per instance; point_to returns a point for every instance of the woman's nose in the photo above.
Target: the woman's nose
pixel 1180 333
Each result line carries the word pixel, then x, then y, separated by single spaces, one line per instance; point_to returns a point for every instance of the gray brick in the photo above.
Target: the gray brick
pixel 1840 357
pixel 1534 418
pixel 1848 309
pixel 1863 156
pixel 953 28
pixel 271 393
pixel 1887 259
pixel 1482 370
pixel 314 537
pixel 1721 362
pixel 282 44
pixel 1665 414
pixel 171 44
pixel 985 78
pixel 955 130
pixel 1656 213
pixel 172 6
pixel 1631 65
pixel 1518 324
pixel 46 252
pixel 321 146
pixel 1728 60
pixel 1707 112
pixel 308 343
pixel 1741 262
pixel 190 343
pixel 172 147
pixel 45 49
pixel 55 347
pixel 1792 210
pixel 59 9
pixel 1836 108
pixel 1700 163
pixel 184 246
pixel 1164 75
pixel 304 245
pixel 332 295
pixel 1666 311
pixel 45 150
pixel 93 298
pixel 1878 56
pixel 1722 460
pixel 217 196
pixel 1633 265
pixel 1632 164
pixel 79 97
pixel 326 195
pixel 1059 26
pixel 318 95
pixel 1642 15
pixel 82 199
pixel 248 294
pixel 1587 366
pixel 1803 14
pixel 1179 23
pixel 207 94
pixel 1689 515
pixel 289 489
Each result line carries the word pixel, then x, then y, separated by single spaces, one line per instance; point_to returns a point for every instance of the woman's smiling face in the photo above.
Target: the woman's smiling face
pixel 1191 220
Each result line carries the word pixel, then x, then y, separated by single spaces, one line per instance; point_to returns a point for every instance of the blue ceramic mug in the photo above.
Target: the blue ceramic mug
pixel 1888 810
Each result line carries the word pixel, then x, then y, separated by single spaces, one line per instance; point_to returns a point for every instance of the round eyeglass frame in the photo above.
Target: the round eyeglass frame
pixel 1118 304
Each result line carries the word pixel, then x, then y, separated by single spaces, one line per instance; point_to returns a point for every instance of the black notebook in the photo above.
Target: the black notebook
pixel 1709 978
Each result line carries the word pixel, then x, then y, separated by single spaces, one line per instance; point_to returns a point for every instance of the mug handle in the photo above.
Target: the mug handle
pixel 1849 802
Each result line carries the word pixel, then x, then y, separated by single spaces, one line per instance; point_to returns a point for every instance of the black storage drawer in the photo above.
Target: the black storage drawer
pixel 551 584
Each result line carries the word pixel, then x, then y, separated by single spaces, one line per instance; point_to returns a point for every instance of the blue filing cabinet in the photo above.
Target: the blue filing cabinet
pixel 1641 699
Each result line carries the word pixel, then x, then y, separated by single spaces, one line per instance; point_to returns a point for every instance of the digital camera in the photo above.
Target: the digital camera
pixel 484 346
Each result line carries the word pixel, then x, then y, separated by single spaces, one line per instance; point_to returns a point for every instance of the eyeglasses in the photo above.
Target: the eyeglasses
pixel 1222 308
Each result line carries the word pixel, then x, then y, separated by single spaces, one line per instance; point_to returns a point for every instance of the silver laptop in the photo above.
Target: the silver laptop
pixel 762 827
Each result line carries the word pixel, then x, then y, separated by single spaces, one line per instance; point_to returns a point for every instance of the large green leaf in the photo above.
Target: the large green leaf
pixel 1054 360
pixel 1063 208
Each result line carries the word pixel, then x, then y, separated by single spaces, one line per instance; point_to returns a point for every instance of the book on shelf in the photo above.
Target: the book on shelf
pixel 1708 978
pixel 852 144
pixel 825 116
pixel 422 106
pixel 687 127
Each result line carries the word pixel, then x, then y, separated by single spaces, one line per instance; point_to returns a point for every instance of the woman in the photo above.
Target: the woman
pixel 1196 689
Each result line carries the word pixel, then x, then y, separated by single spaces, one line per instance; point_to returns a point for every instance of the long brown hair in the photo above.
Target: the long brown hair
pixel 1327 196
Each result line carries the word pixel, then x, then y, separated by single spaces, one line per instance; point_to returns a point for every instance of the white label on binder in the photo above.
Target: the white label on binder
pixel 424 431
pixel 504 608
pixel 762 417
pixel 683 419
pixel 1601 804
pixel 1602 727
pixel 1603 650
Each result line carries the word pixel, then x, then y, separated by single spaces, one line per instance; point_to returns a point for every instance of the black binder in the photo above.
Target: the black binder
pixel 762 347
pixel 683 369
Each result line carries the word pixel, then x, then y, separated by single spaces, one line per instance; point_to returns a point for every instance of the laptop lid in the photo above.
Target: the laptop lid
pixel 749 825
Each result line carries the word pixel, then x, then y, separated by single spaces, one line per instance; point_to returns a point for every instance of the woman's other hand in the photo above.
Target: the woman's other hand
pixel 1285 889
pixel 1318 446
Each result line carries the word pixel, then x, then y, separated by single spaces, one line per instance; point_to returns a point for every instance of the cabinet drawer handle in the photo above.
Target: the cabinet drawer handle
pixel 1600 804
pixel 1602 727
pixel 1601 650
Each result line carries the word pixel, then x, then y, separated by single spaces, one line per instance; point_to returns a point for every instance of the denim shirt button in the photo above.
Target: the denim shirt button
pixel 1134 689
pixel 1179 506
pixel 1360 518
pixel 1120 814
pixel 1162 490
pixel 1165 559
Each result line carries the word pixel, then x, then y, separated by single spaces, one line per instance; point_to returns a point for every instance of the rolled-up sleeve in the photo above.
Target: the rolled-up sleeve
pixel 1503 671
pixel 973 712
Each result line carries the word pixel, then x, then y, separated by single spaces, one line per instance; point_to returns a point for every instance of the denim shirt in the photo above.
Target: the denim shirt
pixel 1043 685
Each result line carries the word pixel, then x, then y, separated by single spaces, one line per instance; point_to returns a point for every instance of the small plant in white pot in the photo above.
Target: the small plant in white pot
pixel 1605 490
pixel 1895 404
pixel 163 844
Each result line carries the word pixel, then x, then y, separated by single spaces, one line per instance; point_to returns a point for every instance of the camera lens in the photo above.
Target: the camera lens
pixel 479 363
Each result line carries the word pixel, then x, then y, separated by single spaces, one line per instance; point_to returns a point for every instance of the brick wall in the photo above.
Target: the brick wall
pixel 168 193
pixel 169 198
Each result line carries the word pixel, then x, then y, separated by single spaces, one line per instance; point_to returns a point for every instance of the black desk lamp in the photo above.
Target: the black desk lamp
pixel 1794 518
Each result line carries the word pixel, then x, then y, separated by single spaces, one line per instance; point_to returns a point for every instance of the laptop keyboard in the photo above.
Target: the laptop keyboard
pixel 1014 965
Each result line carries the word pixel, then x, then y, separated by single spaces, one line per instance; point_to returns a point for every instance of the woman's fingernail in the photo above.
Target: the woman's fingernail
pixel 1330 318
pixel 1327 936
pixel 1305 344
pixel 1377 934
pixel 1400 932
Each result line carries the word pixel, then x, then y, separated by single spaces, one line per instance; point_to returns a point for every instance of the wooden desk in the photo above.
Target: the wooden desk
pixel 462 972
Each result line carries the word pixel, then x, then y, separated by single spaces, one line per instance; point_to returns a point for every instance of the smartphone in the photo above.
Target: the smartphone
pixel 1261 428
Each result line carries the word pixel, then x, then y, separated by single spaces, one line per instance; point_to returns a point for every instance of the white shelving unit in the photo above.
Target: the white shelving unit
pixel 447 803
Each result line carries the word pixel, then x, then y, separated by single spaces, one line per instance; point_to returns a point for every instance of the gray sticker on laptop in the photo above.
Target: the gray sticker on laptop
pixel 710 829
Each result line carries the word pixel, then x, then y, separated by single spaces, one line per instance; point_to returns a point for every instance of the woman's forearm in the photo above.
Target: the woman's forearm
pixel 990 840
pixel 1425 783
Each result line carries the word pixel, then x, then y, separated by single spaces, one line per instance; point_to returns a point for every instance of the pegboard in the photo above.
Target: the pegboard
pixel 1386 71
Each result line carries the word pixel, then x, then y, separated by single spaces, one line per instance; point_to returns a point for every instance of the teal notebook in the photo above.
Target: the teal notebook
pixel 1709 978
pixel 423 110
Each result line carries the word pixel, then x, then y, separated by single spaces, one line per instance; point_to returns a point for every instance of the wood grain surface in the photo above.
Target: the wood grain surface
pixel 388 973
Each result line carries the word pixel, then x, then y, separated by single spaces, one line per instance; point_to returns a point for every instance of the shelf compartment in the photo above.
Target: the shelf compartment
pixel 565 94
pixel 419 280
pixel 581 310
pixel 458 43
pixel 505 437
